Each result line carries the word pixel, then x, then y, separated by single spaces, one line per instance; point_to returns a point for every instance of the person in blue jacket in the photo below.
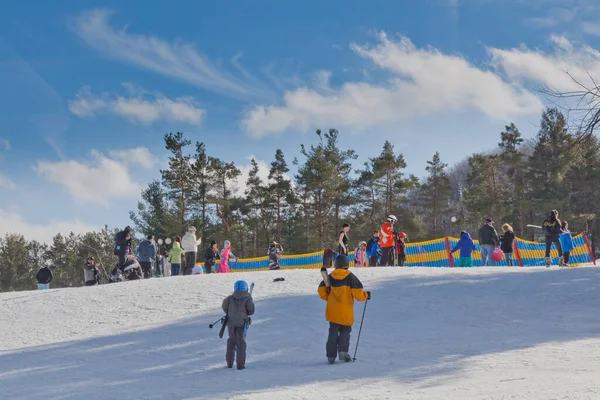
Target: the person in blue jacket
pixel 373 250
pixel 466 245
pixel 566 242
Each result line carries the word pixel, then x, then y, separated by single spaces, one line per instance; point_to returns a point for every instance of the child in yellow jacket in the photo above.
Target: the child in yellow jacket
pixel 344 288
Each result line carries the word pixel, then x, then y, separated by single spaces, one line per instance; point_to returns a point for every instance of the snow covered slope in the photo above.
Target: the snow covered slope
pixel 481 333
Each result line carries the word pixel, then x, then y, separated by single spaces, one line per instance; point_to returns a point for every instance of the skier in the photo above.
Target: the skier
pixel 343 288
pixel 91 273
pixel 211 255
pixel 44 277
pixel 386 241
pixel 238 307
pixel 373 250
pixel 175 256
pixel 466 246
pixel 553 229
pixel 401 248
pixel 190 245
pixel 566 242
pixel 275 251
pixel 122 244
pixel 146 253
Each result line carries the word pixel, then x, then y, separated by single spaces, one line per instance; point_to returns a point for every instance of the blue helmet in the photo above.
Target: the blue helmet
pixel 240 286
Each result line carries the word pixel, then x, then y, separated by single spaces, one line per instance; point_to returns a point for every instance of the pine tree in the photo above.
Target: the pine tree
pixel 260 200
pixel 387 169
pixel 484 193
pixel 177 177
pixel 224 175
pixel 434 195
pixel 153 216
pixel 281 188
pixel 201 186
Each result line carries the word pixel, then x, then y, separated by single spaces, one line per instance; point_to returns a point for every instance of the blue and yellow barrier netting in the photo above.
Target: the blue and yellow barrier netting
pixel 434 253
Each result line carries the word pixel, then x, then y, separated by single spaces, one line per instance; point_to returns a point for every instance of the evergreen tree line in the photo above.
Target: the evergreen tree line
pixel 517 182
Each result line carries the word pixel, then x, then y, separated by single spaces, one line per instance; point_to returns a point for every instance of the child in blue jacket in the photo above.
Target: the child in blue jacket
pixel 566 242
pixel 466 246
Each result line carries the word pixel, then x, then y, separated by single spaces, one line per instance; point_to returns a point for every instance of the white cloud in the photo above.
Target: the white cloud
pixel 100 179
pixel 138 108
pixel 138 156
pixel 591 28
pixel 424 81
pixel 11 222
pixel 6 182
pixel 526 65
pixel 5 145
pixel 553 18
pixel 177 60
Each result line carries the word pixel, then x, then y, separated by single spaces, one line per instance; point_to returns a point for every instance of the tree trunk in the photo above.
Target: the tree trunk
pixel 278 219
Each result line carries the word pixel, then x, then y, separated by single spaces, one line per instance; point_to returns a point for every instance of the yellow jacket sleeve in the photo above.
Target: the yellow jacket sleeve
pixel 323 291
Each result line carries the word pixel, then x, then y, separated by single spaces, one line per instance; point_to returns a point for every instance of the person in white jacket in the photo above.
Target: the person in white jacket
pixel 190 245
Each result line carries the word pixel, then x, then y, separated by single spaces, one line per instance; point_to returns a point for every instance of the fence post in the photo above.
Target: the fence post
pixel 587 243
pixel 518 254
pixel 448 248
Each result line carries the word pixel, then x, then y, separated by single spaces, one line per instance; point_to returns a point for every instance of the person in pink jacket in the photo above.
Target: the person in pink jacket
pixel 226 255
pixel 360 255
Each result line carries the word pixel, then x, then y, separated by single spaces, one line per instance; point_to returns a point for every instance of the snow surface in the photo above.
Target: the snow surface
pixel 429 333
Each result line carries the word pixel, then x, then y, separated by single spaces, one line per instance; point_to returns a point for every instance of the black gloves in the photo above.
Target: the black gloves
pixel 368 295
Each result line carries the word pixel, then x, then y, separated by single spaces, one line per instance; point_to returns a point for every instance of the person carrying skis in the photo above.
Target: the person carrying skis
pixel 91 273
pixel 238 308
pixel 275 251
pixel 386 241
pixel 466 246
pixel 340 292
pixel 401 248
pixel 211 255
pixel 122 244
pixel 44 277
pixel 373 250
pixel 190 245
pixel 146 253
pixel 552 229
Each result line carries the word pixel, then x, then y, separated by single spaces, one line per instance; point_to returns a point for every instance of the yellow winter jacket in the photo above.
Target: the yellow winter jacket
pixel 175 253
pixel 345 288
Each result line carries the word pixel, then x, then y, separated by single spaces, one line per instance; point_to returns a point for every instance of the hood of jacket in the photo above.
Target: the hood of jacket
pixel 176 246
pixel 240 295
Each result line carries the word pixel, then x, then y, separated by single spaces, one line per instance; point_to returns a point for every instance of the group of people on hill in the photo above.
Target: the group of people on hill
pixel 556 232
pixel 387 246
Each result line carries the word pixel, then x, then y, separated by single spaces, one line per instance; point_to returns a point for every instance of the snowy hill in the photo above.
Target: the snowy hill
pixel 481 333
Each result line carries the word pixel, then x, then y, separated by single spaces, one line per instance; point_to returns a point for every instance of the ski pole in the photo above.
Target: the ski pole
pixel 216 322
pixel 359 330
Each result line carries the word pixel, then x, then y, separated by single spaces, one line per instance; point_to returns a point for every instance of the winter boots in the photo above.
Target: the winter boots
pixel 331 360
pixel 548 262
pixel 561 262
pixel 345 356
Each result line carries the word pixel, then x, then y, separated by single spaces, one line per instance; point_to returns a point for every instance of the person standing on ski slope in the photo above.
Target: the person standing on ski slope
pixel 566 242
pixel 238 307
pixel 122 245
pixel 226 255
pixel 373 250
pixel 146 254
pixel 360 255
pixel 401 248
pixel 343 240
pixel 553 229
pixel 175 256
pixel 190 245
pixel 344 287
pixel 44 277
pixel 387 242
pixel 211 255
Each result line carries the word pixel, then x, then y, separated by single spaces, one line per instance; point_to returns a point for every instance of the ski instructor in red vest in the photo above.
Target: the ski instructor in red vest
pixel 387 242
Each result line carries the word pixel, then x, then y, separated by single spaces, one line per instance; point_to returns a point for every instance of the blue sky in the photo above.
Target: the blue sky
pixel 89 88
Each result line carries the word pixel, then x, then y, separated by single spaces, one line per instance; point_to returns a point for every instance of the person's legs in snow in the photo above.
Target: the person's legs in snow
pixel 344 343
pixel 332 342
pixel 236 347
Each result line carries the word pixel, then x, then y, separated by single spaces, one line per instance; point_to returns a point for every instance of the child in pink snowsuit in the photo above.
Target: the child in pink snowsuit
pixel 225 255
pixel 360 255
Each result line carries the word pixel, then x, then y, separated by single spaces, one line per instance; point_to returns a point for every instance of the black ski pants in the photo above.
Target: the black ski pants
pixel 387 257
pixel 339 339
pixel 236 345
pixel 190 261
pixel 556 241
pixel 146 268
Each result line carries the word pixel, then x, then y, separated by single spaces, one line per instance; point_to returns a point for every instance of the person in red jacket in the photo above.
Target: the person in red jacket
pixel 387 242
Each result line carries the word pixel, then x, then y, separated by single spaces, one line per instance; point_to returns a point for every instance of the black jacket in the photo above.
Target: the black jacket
pixel 121 242
pixel 552 226
pixel 507 241
pixel 488 235
pixel 210 256
pixel 44 275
